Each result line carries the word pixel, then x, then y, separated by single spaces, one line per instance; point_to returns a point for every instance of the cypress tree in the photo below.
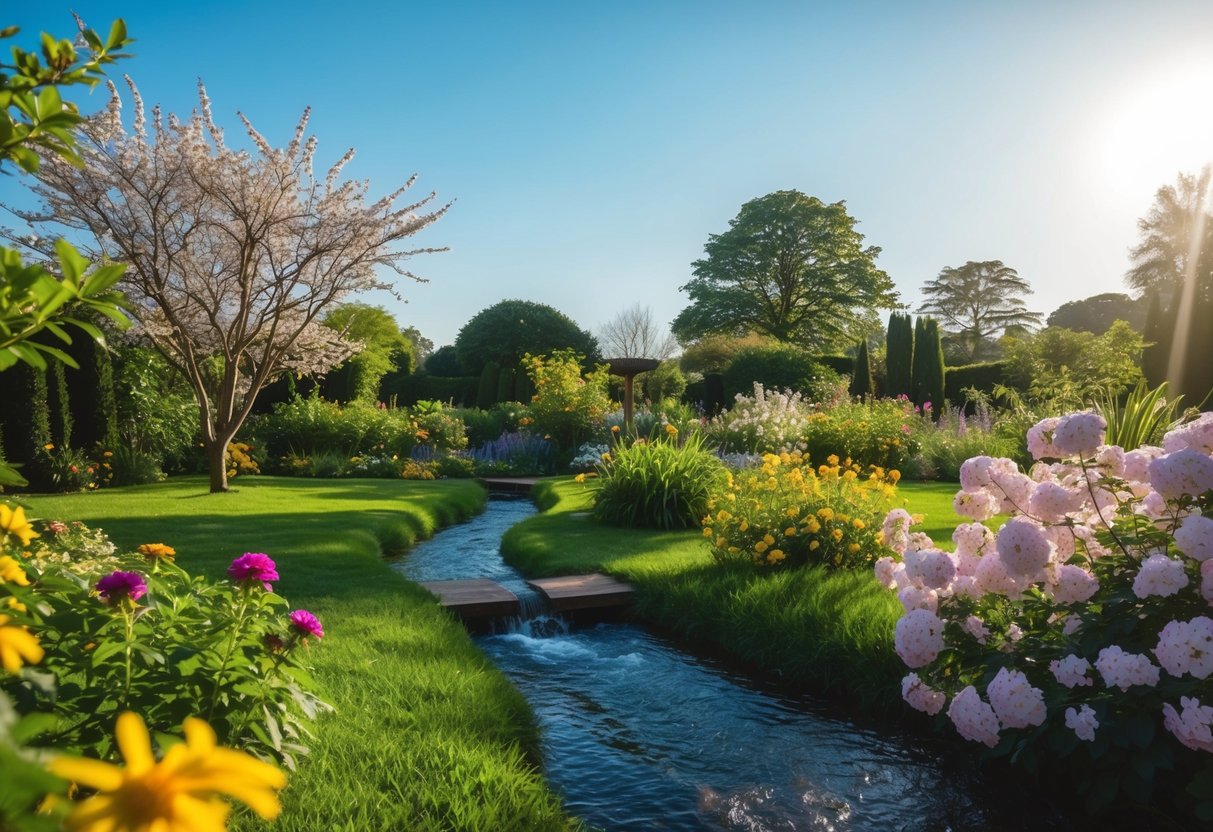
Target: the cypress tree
pixel 505 385
pixel 900 355
pixel 524 388
pixel 59 406
pixel 933 368
pixel 918 361
pixel 861 376
pixel 486 395
pixel 1157 336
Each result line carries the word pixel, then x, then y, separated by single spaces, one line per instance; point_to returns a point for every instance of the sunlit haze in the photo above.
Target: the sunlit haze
pixel 591 149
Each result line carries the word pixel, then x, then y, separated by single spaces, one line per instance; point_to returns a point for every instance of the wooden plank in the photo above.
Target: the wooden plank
pixel 582 592
pixel 478 598
pixel 510 485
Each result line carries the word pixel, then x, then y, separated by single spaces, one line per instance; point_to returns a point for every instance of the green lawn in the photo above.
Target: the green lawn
pixel 427 733
pixel 830 630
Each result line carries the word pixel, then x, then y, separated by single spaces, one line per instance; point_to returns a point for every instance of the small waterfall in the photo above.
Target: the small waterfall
pixel 535 618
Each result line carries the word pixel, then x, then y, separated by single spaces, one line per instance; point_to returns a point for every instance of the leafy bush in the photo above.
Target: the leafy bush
pixel 565 407
pixel 486 425
pixel 872 433
pixel 984 377
pixel 150 638
pixel 940 448
pixel 134 467
pixel 766 421
pixel 782 366
pixel 156 408
pixel 662 484
pixel 1072 369
pixel 1079 630
pixel 787 513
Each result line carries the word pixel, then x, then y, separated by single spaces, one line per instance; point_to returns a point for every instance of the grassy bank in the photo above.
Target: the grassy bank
pixel 830 630
pixel 427 733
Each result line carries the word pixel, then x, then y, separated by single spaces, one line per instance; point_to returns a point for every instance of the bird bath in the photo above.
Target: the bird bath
pixel 629 368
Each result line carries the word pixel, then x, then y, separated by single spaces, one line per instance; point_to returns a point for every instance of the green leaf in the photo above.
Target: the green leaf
pixel 117 35
pixel 31 726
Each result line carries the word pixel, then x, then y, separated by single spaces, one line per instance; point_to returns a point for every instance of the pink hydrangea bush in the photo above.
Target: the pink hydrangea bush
pixel 1084 622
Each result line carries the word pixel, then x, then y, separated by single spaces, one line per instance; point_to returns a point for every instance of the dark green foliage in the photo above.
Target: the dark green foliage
pixel 1157 334
pixel 713 398
pixel 524 388
pixel 899 359
pixel 506 331
pixel 982 376
pixel 18 399
pixel 658 485
pixel 91 395
pixel 385 348
pixel 1096 313
pixel 781 367
pixel 844 365
pixel 928 364
pixel 789 266
pixel 505 385
pixel 696 392
pixel 457 390
pixel 861 378
pixel 58 406
pixel 1196 376
pixel 978 301
pixel 444 363
pixel 486 393
pixel 666 382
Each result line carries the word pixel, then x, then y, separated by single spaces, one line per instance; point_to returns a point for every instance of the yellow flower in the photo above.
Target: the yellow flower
pixel 853 548
pixel 721 543
pixel 707 531
pixel 606 457
pixel 177 794
pixel 733 550
pixel 614 428
pixel 775 555
pixel 812 526
pixel 108 454
pixel 836 534
pixel 48 447
pixel 12 520
pixel 152 551
pixel 671 430
pixel 761 546
pixel 790 531
pixel 857 523
pixel 744 525
pixel 14 604
pixel 894 475
pixel 770 541
pixel 813 546
pixel 17 647
pixel 826 513
pixel 11 572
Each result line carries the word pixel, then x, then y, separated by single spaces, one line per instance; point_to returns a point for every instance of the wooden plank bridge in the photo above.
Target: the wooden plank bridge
pixel 482 598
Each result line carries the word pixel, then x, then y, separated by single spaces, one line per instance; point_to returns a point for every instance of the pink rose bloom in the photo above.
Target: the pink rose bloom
pixel 975 473
pixel 1194 537
pixel 971 538
pixel 1083 723
pixel 1040 440
pixel 920 696
pixel 1015 702
pixel 1192 725
pixel 1015 490
pixel 1051 501
pixel 1159 575
pixel 1023 548
pixel 253 567
pixel 973 718
pixel 918 638
pixel 1080 434
pixel 1071 671
pixel 917 598
pixel 896 530
pixel 1197 435
pixel 885 568
pixel 933 568
pixel 977 628
pixel 992 577
pixel 1187 647
pixel 1073 584
pixel 976 505
pixel 1137 463
pixel 1124 670
pixel 1111 460
pixel 1181 473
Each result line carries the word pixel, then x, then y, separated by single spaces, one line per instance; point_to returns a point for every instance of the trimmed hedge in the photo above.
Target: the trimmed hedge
pixel 779 367
pixel 982 376
pixel 844 365
pixel 460 389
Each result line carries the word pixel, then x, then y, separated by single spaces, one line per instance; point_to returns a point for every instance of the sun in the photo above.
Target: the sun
pixel 1159 124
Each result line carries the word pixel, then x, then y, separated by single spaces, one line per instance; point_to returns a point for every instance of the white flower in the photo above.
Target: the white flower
pixel 1181 473
pixel 1194 537
pixel 975 627
pixel 1015 701
pixel 1187 647
pixel 1197 435
pixel 1079 434
pixel 1040 440
pixel 1072 584
pixel 1071 671
pixel 920 696
pixel 1123 670
pixel 1159 575
pixel 1083 723
pixel 1023 547
pixel 1192 726
pixel 918 638
pixel 973 718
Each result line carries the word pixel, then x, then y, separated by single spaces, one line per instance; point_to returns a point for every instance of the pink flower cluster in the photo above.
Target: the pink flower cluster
pixel 1191 726
pixel 1187 647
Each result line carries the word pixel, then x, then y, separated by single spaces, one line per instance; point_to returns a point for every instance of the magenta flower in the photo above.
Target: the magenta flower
pixel 118 585
pixel 306 624
pixel 254 566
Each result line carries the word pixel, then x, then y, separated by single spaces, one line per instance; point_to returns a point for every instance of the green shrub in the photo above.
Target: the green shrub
pixel 942 446
pixel 454 467
pixel 134 467
pixel 486 392
pixel 984 377
pixel 781 367
pixel 862 384
pixel 457 390
pixel 899 349
pixel 844 365
pixel 658 485
pixel 873 433
pixel 566 406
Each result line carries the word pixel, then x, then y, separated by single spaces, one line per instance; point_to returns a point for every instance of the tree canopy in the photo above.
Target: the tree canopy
pixel 792 267
pixel 384 348
pixel 977 302
pixel 1069 369
pixel 1176 234
pixel 506 331
pixel 1098 312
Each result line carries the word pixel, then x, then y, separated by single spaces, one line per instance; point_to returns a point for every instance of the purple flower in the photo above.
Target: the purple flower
pixel 306 624
pixel 118 585
pixel 254 566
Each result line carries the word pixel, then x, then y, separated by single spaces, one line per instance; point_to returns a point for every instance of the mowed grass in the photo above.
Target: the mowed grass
pixel 427 734
pixel 832 631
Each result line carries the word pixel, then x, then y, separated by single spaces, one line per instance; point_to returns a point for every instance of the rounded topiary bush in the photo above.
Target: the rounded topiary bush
pixel 780 367
pixel 658 485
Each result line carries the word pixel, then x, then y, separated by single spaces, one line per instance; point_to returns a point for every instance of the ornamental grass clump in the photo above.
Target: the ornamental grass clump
pixel 663 484
pixel 1081 628
pixel 786 513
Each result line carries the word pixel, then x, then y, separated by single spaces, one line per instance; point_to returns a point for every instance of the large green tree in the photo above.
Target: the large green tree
pixel 1098 312
pixel 792 267
pixel 384 348
pixel 1176 237
pixel 976 303
pixel 508 330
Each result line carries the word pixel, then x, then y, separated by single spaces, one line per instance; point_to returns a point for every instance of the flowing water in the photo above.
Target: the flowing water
pixel 640 735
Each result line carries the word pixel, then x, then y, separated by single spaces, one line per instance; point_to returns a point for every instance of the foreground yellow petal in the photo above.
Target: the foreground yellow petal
pixel 11 572
pixel 12 520
pixel 178 794
pixel 17 647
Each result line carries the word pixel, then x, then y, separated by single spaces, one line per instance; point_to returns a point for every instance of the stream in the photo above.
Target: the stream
pixel 640 734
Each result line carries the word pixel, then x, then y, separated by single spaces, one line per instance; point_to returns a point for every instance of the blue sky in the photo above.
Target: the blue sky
pixel 592 148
